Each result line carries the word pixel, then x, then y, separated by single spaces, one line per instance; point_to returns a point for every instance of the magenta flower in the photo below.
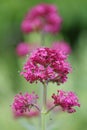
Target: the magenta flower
pixel 63 46
pixel 42 17
pixel 22 49
pixel 24 103
pixel 28 26
pixel 46 65
pixel 67 100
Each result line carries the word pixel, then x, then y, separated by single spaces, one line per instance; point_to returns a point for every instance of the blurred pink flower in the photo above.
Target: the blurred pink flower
pixel 46 64
pixel 28 26
pixel 24 103
pixel 22 49
pixel 63 46
pixel 67 100
pixel 42 17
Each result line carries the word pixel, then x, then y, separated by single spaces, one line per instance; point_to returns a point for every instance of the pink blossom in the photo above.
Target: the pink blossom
pixel 46 64
pixel 22 49
pixel 42 10
pixel 28 26
pixel 67 100
pixel 63 46
pixel 42 17
pixel 23 103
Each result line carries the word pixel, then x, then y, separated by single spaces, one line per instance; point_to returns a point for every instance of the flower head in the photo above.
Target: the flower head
pixel 67 100
pixel 22 49
pixel 24 103
pixel 42 17
pixel 46 64
pixel 63 46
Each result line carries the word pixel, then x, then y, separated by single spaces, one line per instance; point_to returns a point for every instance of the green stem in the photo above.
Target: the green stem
pixel 43 125
pixel 36 107
pixel 43 111
pixel 42 38
pixel 44 96
pixel 50 109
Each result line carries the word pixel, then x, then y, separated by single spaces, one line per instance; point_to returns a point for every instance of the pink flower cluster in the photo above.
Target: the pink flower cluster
pixel 63 46
pixel 42 17
pixel 46 65
pixel 67 100
pixel 23 103
pixel 22 49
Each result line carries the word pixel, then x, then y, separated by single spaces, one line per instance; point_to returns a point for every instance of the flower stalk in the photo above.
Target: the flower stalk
pixel 49 110
pixel 43 111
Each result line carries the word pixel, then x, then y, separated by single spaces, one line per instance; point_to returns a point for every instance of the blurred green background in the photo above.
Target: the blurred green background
pixel 74 31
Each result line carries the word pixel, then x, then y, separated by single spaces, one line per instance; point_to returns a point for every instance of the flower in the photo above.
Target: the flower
pixel 22 49
pixel 63 46
pixel 67 100
pixel 23 103
pixel 42 17
pixel 46 64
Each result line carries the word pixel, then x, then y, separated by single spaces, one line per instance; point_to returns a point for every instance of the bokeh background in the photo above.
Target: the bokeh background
pixel 74 31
